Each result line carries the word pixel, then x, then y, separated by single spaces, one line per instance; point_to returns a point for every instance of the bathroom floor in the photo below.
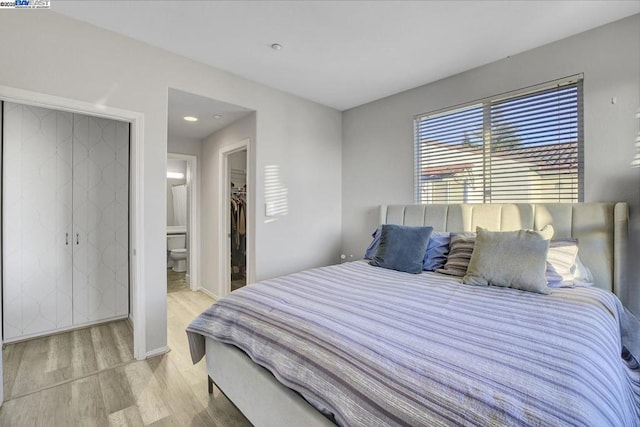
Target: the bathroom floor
pixel 176 281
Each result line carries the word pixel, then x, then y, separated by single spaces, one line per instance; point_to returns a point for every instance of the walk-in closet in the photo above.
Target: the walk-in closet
pixel 238 215
pixel 65 220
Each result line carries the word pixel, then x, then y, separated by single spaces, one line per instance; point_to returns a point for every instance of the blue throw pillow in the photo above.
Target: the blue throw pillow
pixel 402 248
pixel 373 247
pixel 437 250
pixel 436 253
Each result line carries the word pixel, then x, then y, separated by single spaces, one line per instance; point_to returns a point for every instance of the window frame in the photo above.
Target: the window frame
pixel 485 104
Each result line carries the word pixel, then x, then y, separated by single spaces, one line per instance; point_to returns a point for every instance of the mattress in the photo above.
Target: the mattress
pixel 370 346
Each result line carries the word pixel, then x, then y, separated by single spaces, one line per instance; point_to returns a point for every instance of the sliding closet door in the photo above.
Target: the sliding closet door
pixel 37 208
pixel 100 219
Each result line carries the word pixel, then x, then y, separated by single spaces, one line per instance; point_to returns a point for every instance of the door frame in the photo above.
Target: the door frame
pixel 193 230
pixel 224 203
pixel 136 191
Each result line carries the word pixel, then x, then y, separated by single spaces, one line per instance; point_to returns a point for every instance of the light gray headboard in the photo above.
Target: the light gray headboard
pixel 601 228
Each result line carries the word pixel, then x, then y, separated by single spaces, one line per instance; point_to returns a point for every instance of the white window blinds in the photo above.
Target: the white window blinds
pixel 524 148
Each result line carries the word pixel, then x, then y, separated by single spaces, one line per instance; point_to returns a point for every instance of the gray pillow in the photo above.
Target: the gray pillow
pixel 460 250
pixel 513 259
pixel 402 248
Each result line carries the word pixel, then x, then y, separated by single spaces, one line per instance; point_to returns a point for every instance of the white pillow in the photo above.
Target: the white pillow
pixel 580 276
pixel 560 259
pixel 581 272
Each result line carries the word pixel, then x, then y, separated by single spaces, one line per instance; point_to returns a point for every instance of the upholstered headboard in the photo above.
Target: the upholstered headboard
pixel 601 228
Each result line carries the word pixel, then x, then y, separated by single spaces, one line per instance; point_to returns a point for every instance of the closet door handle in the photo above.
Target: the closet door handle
pixel 66 239
pixel 77 238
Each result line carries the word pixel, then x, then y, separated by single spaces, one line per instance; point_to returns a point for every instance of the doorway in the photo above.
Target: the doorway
pixel 65 200
pixel 137 276
pixel 238 218
pixel 136 311
pixel 183 231
pixel 235 194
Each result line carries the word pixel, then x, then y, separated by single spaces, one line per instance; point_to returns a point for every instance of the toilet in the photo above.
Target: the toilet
pixel 176 246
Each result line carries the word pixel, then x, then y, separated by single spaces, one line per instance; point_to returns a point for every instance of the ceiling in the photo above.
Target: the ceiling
pixel 346 53
pixel 183 104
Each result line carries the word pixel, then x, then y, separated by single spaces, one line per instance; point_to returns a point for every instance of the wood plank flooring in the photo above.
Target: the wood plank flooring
pixel 176 281
pixel 89 378
pixel 43 362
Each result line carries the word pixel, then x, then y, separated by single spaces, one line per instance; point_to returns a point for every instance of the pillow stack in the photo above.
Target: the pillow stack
pixel 524 259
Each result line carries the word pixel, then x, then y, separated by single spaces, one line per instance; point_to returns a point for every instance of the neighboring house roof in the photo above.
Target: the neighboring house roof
pixel 562 155
pixel 439 172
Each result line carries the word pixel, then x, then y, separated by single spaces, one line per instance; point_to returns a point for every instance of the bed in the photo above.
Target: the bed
pixel 354 344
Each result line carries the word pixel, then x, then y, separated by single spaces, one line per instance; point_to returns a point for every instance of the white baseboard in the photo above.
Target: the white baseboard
pixel 158 351
pixel 208 292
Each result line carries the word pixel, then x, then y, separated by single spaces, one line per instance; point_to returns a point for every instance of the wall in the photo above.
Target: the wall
pixel 189 146
pixel 238 168
pixel 377 161
pixel 70 59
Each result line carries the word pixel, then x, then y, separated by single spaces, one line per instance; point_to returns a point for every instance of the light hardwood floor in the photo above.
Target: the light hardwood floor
pixel 176 281
pixel 89 378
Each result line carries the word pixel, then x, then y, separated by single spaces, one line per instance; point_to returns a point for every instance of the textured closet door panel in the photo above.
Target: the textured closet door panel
pixel 37 217
pixel 121 220
pixel 80 215
pixel 97 290
pixel 12 221
pixel 101 229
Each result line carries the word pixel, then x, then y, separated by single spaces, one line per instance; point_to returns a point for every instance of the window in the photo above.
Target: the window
pixel 522 148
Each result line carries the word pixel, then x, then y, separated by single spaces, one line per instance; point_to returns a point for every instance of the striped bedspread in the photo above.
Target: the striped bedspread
pixel 377 347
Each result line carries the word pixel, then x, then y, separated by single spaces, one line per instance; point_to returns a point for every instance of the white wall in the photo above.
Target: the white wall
pixel 238 168
pixel 377 162
pixel 189 146
pixel 74 60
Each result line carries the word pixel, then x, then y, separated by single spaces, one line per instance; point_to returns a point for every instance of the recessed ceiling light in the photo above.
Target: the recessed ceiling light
pixel 191 119
pixel 276 46
pixel 217 116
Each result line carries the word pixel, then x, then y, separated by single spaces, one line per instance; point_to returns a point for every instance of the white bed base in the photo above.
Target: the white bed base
pixel 256 392
pixel 602 230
